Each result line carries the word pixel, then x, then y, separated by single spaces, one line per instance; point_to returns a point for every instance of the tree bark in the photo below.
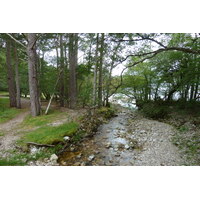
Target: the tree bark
pixel 95 71
pixel 32 69
pixel 11 76
pixel 62 89
pixel 73 53
pixel 18 99
pixel 100 91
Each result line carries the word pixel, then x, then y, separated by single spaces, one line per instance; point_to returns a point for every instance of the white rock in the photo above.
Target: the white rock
pixel 108 145
pixel 91 157
pixel 34 150
pixel 127 146
pixel 54 158
pixel 66 138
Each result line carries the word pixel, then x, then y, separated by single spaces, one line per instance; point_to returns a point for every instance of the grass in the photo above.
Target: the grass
pixel 7 113
pixel 3 93
pixel 43 119
pixel 1 133
pixel 49 134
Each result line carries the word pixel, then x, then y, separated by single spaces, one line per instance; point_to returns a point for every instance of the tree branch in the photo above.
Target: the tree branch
pixel 16 40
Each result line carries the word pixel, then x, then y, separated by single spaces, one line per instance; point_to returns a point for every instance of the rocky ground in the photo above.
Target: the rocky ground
pixel 127 140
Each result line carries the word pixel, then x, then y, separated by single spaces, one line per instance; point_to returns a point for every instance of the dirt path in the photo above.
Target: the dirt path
pixel 127 140
pixel 10 130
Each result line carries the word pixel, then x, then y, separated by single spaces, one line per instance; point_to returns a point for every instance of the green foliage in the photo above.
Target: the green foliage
pixel 50 134
pixel 106 112
pixel 155 110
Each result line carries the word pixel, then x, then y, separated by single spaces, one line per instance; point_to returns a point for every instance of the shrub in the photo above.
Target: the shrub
pixel 155 110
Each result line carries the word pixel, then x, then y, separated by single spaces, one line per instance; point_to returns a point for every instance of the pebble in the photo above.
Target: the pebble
pixel 127 146
pixel 91 157
pixel 108 145
pixel 53 158
pixel 77 164
pixel 66 138
pixel 79 156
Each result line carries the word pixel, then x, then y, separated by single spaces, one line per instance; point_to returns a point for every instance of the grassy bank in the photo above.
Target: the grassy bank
pixel 7 113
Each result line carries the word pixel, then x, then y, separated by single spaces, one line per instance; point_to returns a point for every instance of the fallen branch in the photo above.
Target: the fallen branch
pixel 40 145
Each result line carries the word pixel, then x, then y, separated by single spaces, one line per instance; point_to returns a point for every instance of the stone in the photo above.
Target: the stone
pixel 142 131
pixel 34 150
pixel 53 158
pixel 46 160
pixel 79 156
pixel 108 145
pixel 66 138
pixel 91 157
pixel 127 146
pixel 72 148
pixel 77 164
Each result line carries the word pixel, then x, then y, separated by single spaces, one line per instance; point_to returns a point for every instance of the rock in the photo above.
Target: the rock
pixel 46 160
pixel 117 155
pixel 83 164
pixel 66 138
pixel 77 164
pixel 91 157
pixel 127 146
pixel 72 148
pixel 53 158
pixel 34 150
pixel 79 156
pixel 108 145
pixel 142 131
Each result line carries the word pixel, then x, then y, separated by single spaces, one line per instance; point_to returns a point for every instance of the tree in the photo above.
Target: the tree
pixel 11 76
pixel 95 70
pixel 18 99
pixel 73 53
pixel 62 86
pixel 32 70
pixel 100 86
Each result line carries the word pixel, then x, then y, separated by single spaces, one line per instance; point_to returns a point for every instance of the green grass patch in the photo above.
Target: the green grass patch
pixel 1 133
pixel 43 119
pixel 7 113
pixel 50 134
pixel 3 93
pixel 11 162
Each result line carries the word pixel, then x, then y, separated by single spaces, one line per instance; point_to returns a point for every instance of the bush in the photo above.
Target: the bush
pixel 155 110
pixel 106 112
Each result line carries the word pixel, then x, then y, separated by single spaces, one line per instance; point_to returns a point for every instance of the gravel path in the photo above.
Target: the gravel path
pixel 155 139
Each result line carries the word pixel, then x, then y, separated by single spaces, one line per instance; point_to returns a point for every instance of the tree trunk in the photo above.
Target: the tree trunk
pixel 62 89
pixel 17 77
pixel 100 91
pixel 73 53
pixel 95 71
pixel 11 76
pixel 32 70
